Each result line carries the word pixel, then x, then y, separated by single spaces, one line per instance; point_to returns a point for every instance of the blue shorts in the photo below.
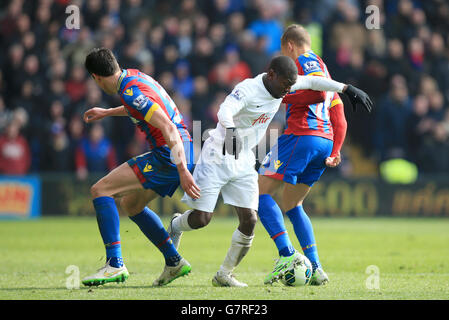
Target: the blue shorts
pixel 157 172
pixel 297 159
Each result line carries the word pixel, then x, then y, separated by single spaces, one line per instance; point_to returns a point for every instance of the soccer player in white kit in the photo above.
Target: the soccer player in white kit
pixel 226 163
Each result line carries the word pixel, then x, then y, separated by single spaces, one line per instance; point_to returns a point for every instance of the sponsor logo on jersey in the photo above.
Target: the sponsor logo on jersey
pixel 148 168
pixel 140 102
pixel 129 92
pixel 262 119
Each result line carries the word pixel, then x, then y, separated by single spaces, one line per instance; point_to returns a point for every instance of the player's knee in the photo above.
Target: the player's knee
pixel 249 219
pixel 130 207
pixel 96 190
pixel 206 217
pixel 202 219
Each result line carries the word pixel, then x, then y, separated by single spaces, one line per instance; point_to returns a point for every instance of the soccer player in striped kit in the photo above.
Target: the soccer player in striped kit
pixel 316 129
pixel 143 178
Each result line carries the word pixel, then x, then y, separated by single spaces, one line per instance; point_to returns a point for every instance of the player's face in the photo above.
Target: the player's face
pixel 282 85
pixel 101 83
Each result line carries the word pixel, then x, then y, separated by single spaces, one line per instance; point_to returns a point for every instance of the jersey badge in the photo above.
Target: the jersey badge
pixel 140 102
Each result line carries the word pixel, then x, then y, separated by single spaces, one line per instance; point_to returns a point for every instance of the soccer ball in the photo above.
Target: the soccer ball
pixel 299 275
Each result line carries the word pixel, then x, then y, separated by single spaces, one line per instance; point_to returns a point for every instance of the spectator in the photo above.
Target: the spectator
pixel 76 86
pixel 203 58
pixel 267 26
pixel 183 81
pixel 238 69
pixel 253 52
pixel 200 98
pixel 95 154
pixel 223 42
pixel 15 157
pixel 392 110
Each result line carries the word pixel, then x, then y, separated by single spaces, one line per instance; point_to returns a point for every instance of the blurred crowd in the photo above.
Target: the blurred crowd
pixel 198 50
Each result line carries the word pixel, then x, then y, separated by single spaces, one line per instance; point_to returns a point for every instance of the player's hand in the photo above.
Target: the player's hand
pixel 232 143
pixel 332 162
pixel 188 184
pixel 94 114
pixel 357 96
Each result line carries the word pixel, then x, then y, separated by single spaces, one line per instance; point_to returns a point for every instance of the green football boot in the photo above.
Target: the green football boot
pixel 282 265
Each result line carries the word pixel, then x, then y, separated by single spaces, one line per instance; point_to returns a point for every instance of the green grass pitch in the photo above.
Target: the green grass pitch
pixel 412 257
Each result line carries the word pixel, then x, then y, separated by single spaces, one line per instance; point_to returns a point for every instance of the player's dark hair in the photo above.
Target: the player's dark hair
pixel 297 34
pixel 284 66
pixel 102 62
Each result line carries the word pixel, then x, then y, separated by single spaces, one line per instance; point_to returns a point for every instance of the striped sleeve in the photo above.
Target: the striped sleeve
pixel 141 104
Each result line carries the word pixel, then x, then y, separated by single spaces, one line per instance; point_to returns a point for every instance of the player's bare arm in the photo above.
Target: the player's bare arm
pixel 171 135
pixel 96 113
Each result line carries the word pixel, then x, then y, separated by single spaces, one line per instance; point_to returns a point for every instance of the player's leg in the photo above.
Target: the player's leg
pixel 278 167
pixel 241 242
pixel 135 205
pixel 210 179
pixel 292 200
pixel 119 181
pixel 294 195
pixel 156 172
pixel 271 216
pixel 241 191
pixel 272 219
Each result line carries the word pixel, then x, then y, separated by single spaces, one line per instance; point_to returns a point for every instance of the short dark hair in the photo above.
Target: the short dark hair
pixel 284 66
pixel 297 34
pixel 102 62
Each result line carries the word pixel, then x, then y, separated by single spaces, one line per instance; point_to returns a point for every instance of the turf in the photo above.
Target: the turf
pixel 412 256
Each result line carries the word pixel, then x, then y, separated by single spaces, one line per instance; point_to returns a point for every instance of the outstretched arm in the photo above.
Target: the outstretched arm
pixel 96 113
pixel 355 95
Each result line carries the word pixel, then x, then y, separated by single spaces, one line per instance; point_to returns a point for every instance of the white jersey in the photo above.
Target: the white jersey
pixel 252 108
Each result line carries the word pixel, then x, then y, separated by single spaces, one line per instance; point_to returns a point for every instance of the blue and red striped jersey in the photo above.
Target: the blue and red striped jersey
pixel 313 119
pixel 142 95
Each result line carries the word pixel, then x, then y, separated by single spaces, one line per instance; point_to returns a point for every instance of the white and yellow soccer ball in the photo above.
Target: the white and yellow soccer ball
pixel 299 275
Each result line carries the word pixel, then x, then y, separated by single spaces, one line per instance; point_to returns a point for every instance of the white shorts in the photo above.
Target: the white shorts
pixel 237 180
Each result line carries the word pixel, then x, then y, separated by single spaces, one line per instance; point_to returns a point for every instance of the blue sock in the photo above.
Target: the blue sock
pixel 304 231
pixel 152 227
pixel 109 225
pixel 272 219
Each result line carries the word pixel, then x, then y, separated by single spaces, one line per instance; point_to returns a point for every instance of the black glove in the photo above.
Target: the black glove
pixel 357 96
pixel 232 143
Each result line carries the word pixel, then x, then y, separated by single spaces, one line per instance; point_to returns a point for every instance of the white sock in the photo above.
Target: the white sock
pixel 240 245
pixel 181 223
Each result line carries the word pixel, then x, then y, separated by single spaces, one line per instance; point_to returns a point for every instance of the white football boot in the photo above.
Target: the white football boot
pixel 171 273
pixel 107 274
pixel 224 279
pixel 319 277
